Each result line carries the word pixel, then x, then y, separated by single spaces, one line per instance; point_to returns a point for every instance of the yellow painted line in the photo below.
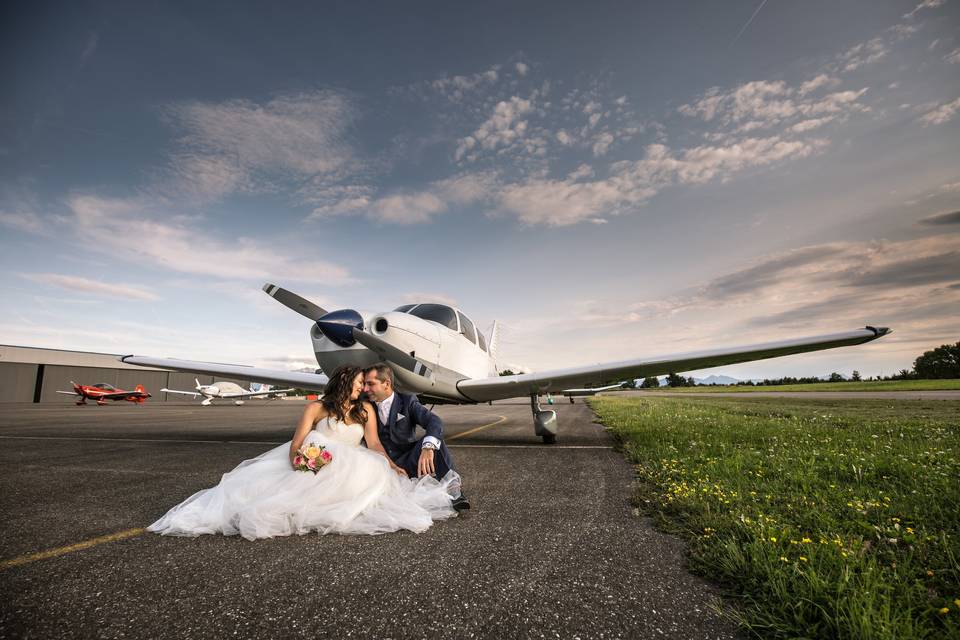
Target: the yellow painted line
pixel 53 553
pixel 475 429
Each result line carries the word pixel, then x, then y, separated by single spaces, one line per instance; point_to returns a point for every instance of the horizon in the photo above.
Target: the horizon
pixel 608 181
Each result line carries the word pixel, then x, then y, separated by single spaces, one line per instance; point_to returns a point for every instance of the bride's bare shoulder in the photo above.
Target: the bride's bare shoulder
pixel 315 410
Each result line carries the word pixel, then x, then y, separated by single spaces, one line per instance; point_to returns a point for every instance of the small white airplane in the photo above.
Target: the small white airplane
pixel 225 391
pixel 436 352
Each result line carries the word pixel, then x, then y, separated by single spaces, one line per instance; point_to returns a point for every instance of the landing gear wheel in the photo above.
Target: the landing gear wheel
pixel 549 438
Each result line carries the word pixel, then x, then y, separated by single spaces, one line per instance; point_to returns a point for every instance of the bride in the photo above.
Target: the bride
pixel 360 491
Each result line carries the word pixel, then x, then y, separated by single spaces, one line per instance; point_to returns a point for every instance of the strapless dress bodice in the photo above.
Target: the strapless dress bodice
pixel 338 431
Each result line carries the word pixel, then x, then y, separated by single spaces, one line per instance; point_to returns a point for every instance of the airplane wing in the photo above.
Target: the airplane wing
pixel 591 391
pixel 311 381
pixel 253 394
pixel 486 389
pixel 184 393
pixel 69 393
pixel 119 395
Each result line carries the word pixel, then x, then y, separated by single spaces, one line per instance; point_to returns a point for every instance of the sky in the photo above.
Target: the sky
pixel 608 180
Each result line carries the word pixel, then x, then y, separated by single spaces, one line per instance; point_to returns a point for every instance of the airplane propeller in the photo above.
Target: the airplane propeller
pixel 297 303
pixel 392 354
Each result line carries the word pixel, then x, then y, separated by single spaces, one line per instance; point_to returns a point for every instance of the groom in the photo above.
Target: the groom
pixel 398 415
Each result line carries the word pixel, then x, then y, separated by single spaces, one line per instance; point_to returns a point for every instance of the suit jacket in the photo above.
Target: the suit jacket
pixel 406 413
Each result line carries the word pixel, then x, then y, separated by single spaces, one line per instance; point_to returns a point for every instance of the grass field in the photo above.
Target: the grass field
pixel 821 518
pixel 874 385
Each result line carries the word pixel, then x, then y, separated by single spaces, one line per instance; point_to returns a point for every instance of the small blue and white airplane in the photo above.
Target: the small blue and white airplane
pixel 436 352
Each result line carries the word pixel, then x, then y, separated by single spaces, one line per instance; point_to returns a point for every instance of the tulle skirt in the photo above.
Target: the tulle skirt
pixel 356 493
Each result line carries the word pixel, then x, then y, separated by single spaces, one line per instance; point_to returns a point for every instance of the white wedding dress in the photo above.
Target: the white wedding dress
pixel 355 493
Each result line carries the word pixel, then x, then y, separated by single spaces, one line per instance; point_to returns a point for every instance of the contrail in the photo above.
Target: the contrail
pixel 763 2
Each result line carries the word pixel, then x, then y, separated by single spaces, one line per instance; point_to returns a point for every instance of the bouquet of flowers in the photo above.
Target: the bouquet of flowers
pixel 311 457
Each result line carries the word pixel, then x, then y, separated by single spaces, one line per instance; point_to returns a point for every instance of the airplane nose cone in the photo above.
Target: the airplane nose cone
pixel 338 326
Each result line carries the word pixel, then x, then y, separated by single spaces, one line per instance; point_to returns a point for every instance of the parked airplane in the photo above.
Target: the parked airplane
pixel 226 391
pixel 436 352
pixel 101 392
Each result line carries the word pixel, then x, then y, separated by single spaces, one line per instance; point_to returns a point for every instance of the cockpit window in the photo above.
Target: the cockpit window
pixel 405 308
pixel 439 313
pixel 466 328
pixel 483 342
pixel 104 385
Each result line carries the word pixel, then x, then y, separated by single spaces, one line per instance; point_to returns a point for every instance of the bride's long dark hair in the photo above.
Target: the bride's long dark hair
pixel 336 395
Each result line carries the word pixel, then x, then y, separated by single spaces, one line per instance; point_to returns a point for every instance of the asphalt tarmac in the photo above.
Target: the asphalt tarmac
pixel 552 547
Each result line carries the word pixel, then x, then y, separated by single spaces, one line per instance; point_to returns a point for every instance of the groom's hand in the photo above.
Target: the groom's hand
pixel 425 465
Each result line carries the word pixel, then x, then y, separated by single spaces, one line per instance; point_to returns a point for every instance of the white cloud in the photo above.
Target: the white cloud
pixel 503 128
pixel 942 113
pixel 566 202
pixel 926 4
pixel 564 138
pixel 522 68
pixel 953 57
pixel 583 171
pixel 864 53
pixel 570 201
pixel 240 145
pixel 75 283
pixel 822 80
pixel 419 206
pixel 601 144
pixel 809 125
pixel 456 88
pixel 762 104
pixel 176 246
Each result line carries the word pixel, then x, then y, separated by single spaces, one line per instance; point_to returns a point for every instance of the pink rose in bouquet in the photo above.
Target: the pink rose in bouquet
pixel 311 457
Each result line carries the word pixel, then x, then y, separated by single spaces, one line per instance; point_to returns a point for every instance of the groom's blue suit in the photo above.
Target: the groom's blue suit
pixel 399 435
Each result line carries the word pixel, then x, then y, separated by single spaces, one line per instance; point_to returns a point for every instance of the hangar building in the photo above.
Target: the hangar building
pixel 31 374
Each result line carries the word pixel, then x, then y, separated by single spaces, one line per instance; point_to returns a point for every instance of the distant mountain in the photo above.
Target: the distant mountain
pixel 711 379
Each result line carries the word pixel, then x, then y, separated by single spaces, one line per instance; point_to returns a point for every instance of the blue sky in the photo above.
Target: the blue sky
pixel 607 179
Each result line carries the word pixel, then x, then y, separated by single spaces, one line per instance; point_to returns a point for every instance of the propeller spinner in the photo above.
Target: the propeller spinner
pixel 338 326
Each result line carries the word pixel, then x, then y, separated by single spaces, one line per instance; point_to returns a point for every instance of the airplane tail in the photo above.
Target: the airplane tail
pixel 494 344
pixel 140 388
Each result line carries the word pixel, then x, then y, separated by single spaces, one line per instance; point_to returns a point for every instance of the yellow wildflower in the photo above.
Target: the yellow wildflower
pixel 773 539
pixel 806 541
pixel 944 611
pixel 803 559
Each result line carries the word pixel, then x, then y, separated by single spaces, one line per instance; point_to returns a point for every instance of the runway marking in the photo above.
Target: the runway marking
pixel 86 544
pixel 475 429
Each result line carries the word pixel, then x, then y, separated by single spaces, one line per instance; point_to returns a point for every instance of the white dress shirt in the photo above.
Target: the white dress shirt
pixel 383 409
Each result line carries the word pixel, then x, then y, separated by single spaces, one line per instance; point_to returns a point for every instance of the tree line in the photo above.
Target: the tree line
pixel 942 363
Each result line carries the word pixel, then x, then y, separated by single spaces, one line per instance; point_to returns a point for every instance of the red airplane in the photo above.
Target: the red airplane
pixel 101 392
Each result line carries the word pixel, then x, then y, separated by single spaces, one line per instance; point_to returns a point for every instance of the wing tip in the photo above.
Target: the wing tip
pixel 270 289
pixel 879 332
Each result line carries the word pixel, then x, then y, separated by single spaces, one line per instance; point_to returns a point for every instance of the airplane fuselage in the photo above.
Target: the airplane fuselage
pixel 450 354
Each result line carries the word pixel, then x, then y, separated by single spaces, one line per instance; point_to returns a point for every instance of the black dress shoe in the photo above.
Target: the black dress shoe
pixel 461 503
